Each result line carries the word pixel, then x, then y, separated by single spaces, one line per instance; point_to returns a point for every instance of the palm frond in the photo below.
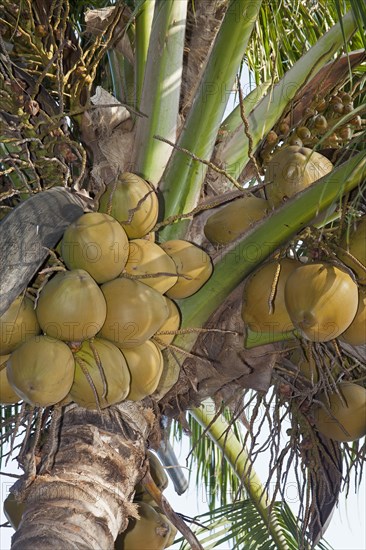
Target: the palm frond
pixel 240 526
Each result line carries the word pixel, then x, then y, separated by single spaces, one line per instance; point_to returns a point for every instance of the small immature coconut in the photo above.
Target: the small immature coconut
pixel 354 243
pixel 107 368
pixel 148 258
pixel 193 265
pixel 257 313
pixel 355 335
pixel 321 300
pixel 150 532
pixel 171 324
pixel 135 312
pixel 225 225
pixel 18 324
pixel 41 371
pixel 145 364
pixel 7 393
pixel 133 203
pixel 343 419
pixel 291 170
pixel 97 243
pixel 71 306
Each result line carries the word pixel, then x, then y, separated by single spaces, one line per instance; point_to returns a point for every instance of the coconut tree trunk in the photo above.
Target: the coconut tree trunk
pixel 81 496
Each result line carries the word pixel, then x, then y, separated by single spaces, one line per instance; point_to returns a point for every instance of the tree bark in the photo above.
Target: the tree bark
pixel 81 497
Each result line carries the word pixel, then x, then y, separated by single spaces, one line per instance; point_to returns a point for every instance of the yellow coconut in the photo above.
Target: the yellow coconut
pixel 147 258
pixel 7 393
pixel 231 220
pixel 41 371
pixel 343 419
pixel 257 312
pixel 71 306
pixel 145 364
pixel 356 332
pixel 18 324
pixel 150 532
pixel 194 267
pixel 97 243
pixel 133 203
pixel 172 534
pixel 135 312
pixel 171 324
pixel 292 169
pixel 101 363
pixel 354 242
pixel 321 300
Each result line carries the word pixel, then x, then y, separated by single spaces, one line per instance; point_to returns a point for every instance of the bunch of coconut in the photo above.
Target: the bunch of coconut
pixel 96 333
pixel 317 301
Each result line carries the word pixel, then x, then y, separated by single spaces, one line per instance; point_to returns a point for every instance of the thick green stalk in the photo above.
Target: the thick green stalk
pixel 244 255
pixel 183 177
pixel 161 89
pixel 142 37
pixel 233 154
pixel 222 435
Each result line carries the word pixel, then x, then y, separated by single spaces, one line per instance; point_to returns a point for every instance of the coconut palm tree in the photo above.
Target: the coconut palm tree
pixel 93 90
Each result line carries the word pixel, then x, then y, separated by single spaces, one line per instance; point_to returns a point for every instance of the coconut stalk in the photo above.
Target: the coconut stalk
pixel 87 485
pixel 233 152
pixel 142 35
pixel 161 89
pixel 183 178
pixel 236 455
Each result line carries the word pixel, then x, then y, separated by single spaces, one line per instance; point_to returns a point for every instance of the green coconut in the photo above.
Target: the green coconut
pixel 7 393
pixel 257 312
pixel 135 312
pixel 171 324
pixel 133 202
pixel 145 364
pixel 101 363
pixel 148 259
pixel 150 532
pixel 343 418
pixel 18 324
pixel 194 267
pixel 321 300
pixel 234 219
pixel 354 243
pixel 71 306
pixel 292 169
pixel 96 243
pixel 41 371
pixel 355 335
